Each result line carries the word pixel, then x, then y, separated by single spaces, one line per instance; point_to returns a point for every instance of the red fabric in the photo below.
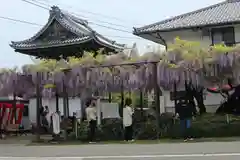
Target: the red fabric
pixel 9 105
pixel 9 116
pixel 19 107
pixel 3 110
pixel 214 89
pixel 19 118
pixel 226 87
pixel 20 114
pixel 12 115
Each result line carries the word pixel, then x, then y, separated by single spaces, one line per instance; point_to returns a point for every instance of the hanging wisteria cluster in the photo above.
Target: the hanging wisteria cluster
pixel 185 61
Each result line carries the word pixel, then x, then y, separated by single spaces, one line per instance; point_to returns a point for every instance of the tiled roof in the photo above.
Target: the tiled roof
pixel 222 13
pixel 51 43
pixel 73 24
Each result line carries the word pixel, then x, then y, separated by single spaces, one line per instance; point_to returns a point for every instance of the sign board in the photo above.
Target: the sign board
pixel 178 95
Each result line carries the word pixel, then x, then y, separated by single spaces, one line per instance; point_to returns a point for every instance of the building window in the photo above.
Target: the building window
pixel 26 111
pixel 223 35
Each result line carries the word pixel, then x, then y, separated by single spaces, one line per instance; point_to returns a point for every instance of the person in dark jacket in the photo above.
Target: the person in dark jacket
pixel 45 123
pixel 185 112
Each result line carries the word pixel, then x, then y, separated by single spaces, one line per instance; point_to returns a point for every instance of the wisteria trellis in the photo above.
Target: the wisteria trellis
pixel 171 68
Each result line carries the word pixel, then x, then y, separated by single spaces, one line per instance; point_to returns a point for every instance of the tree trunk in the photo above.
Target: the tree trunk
pixel 200 102
pixel 38 105
pixel 198 95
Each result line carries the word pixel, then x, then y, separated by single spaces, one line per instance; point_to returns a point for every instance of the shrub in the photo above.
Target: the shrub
pixel 204 126
pixel 112 129
pixel 209 126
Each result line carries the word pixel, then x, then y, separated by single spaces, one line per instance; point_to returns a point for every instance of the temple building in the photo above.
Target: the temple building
pixel 65 35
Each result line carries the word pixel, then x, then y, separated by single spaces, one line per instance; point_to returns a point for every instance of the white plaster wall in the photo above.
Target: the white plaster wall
pixel 237 33
pixel 212 100
pixel 74 105
pixel 109 110
pixel 189 35
pixel 196 36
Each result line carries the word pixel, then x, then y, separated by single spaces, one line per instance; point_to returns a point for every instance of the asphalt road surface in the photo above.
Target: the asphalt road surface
pixel 164 151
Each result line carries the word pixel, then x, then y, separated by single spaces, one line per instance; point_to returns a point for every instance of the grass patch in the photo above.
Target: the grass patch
pixel 160 141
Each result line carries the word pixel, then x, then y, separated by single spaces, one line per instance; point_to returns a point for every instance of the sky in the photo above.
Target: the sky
pixel 124 14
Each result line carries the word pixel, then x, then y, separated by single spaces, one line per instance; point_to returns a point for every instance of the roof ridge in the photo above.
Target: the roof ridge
pixel 51 18
pixel 81 29
pixel 232 1
pixel 83 22
pixel 77 22
pixel 188 14
pixel 73 17
pixel 73 24
pixel 98 35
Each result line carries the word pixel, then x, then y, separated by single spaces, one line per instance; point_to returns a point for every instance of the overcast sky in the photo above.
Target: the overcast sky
pixel 127 13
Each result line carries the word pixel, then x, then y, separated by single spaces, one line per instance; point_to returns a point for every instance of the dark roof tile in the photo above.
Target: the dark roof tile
pixel 75 25
pixel 221 13
pixel 52 43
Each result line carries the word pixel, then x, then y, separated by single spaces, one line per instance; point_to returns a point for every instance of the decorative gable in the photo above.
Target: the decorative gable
pixel 55 31
pixel 64 29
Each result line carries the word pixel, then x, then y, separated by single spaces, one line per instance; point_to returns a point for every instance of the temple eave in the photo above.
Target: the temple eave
pixel 65 35
pixel 59 43
pixel 49 50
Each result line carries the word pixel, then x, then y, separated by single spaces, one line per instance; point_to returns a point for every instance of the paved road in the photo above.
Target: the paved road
pixel 164 151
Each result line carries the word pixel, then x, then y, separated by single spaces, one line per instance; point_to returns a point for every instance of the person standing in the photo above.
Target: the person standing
pixel 46 119
pixel 91 114
pixel 185 112
pixel 46 111
pixel 41 115
pixel 127 120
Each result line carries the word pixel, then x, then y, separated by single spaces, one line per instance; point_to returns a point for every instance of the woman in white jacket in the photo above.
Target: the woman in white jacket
pixel 91 113
pixel 127 120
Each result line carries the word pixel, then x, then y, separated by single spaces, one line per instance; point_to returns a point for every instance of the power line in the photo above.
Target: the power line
pixel 109 23
pixel 21 21
pixel 100 25
pixel 100 21
pixel 36 24
pixel 94 13
pixel 35 4
pixel 112 28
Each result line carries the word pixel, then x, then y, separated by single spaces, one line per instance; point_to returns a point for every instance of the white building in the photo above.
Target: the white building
pixel 211 25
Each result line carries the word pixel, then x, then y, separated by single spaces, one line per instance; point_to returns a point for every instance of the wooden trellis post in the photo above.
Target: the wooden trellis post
pixel 65 105
pixel 109 97
pixel 156 98
pixel 141 103
pixel 122 98
pixel 65 112
pixel 57 100
pixel 14 106
pixel 110 93
pixel 175 95
pixel 38 105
